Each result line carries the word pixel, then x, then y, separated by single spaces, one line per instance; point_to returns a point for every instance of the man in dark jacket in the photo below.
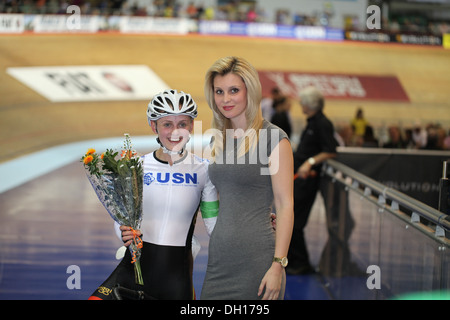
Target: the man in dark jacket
pixel 317 144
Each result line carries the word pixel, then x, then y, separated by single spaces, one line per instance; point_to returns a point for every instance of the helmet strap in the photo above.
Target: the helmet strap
pixel 170 152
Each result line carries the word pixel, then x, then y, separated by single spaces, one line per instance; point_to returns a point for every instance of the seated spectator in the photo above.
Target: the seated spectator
pixel 395 138
pixel 419 136
pixel 433 142
pixel 369 140
pixel 191 11
pixel 446 143
pixel 409 141
pixel 347 137
pixel 441 135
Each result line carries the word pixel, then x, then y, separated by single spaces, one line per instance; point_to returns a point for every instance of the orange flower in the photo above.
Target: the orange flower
pixel 127 154
pixel 90 151
pixel 88 159
pixel 103 154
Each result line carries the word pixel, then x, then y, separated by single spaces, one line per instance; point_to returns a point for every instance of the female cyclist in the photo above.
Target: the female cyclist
pixel 176 185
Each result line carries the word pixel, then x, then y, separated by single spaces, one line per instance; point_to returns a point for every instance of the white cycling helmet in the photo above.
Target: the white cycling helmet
pixel 170 102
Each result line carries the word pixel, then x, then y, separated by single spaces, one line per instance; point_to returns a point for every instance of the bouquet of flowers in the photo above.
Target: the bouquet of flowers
pixel 117 181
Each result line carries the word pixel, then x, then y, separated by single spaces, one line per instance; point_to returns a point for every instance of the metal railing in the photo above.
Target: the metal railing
pixel 391 200
pixel 371 225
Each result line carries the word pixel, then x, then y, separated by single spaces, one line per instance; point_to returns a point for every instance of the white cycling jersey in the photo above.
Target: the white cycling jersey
pixel 171 197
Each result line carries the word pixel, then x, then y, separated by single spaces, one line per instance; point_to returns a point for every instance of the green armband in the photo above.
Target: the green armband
pixel 209 209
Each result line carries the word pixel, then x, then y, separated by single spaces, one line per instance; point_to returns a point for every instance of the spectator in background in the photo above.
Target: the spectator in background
pixel 441 135
pixel 409 142
pixel 419 136
pixel 359 123
pixel 345 132
pixel 281 116
pixel 191 10
pixel 209 13
pixel 317 144
pixel 252 16
pixel 369 140
pixel 432 138
pixel 446 143
pixel 200 11
pixel 436 137
pixel 395 138
pixel 168 12
pixel 267 103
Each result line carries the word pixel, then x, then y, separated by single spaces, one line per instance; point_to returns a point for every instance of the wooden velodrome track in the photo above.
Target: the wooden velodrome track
pixel 29 122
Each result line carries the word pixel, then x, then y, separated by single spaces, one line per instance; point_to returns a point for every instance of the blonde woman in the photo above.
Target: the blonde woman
pixel 252 170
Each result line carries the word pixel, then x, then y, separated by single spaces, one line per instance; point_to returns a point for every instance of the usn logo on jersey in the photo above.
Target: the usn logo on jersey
pixel 176 178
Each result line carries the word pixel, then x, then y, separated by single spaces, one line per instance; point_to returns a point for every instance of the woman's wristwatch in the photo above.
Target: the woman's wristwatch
pixel 283 261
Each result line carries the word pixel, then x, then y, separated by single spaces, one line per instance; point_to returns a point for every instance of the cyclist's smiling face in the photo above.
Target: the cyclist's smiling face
pixel 173 131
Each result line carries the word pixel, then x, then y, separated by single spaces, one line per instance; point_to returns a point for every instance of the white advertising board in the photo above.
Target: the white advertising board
pixel 91 83
pixel 12 23
pixel 153 25
pixel 65 23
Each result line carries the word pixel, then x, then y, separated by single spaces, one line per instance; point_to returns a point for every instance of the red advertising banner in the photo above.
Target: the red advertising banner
pixel 335 86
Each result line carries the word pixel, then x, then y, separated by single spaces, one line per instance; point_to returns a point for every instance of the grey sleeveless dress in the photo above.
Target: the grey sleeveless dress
pixel 242 244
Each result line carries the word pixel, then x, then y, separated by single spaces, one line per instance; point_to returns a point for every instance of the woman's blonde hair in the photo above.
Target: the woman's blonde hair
pixel 253 114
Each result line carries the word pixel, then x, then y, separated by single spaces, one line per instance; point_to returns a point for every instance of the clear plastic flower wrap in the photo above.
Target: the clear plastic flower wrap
pixel 117 181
